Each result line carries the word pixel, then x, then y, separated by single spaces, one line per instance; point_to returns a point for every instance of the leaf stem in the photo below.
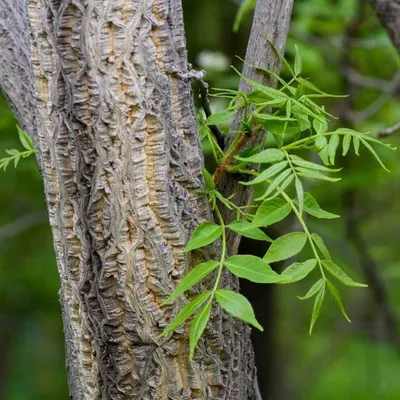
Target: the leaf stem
pixel 223 250
pixel 306 231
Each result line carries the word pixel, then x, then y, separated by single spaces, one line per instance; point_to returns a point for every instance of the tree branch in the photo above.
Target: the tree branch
pixel 271 21
pixel 389 131
pixel 388 12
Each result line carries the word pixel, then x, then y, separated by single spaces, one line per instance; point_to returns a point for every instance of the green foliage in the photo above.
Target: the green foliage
pixel 245 8
pixel 298 125
pixel 16 155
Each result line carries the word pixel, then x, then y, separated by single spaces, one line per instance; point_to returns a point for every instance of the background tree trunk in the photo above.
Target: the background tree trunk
pixel 388 12
pixel 102 88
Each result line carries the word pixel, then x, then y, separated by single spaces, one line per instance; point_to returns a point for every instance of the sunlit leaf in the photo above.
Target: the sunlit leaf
pixel 271 212
pixel 252 268
pixel 285 247
pixel 238 306
pixel 321 245
pixel 300 194
pixel 298 271
pixel 279 180
pixel 220 118
pixel 186 312
pixel 298 64
pixel 25 140
pixel 307 173
pixel 248 230
pixel 194 276
pixel 268 173
pixel 203 235
pixel 312 207
pixel 266 156
pixel 197 327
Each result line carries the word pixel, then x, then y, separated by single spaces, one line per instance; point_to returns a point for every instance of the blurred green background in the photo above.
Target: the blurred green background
pixel 345 50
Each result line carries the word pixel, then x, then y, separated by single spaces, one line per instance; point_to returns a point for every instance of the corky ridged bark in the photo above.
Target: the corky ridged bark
pixel 15 70
pixel 121 162
pixel 388 12
pixel 271 24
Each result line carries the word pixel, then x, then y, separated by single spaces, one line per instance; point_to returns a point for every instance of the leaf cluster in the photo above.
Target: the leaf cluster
pixel 14 155
pixel 300 127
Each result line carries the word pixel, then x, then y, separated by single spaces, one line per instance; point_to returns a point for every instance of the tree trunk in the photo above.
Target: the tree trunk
pixel 102 87
pixel 388 12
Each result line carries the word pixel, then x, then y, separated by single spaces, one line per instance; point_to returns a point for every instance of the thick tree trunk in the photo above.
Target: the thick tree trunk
pixel 102 88
pixel 388 12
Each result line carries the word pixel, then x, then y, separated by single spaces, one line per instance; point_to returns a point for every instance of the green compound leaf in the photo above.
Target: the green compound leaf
pixel 306 173
pixel 333 146
pixel 312 166
pixel 312 207
pixel 246 229
pixel 321 245
pixel 252 268
pixel 340 275
pixel 268 173
pixel 266 156
pixel 285 247
pixel 197 327
pixel 317 306
pixel 220 118
pixel 298 63
pixel 203 235
pixel 373 152
pixel 300 194
pixel 346 144
pixel 245 8
pixel 186 312
pixel 298 271
pixel 337 298
pixel 25 140
pixel 283 180
pixel 194 276
pixel 208 180
pixel 320 124
pixel 313 290
pixel 238 306
pixel 271 212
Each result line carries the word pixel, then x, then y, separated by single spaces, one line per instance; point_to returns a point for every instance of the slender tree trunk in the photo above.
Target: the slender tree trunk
pixel 388 12
pixel 102 87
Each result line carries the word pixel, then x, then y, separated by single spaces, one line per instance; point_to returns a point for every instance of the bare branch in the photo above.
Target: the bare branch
pixel 389 131
pixel 21 224
pixel 373 108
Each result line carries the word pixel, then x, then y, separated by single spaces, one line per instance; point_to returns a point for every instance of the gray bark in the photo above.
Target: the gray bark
pixel 271 23
pixel 388 12
pixel 100 87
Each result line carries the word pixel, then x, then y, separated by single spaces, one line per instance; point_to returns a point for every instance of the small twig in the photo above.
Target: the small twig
pixel 21 224
pixel 219 172
pixel 389 131
pixel 205 103
pixel 360 80
pixel 378 103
